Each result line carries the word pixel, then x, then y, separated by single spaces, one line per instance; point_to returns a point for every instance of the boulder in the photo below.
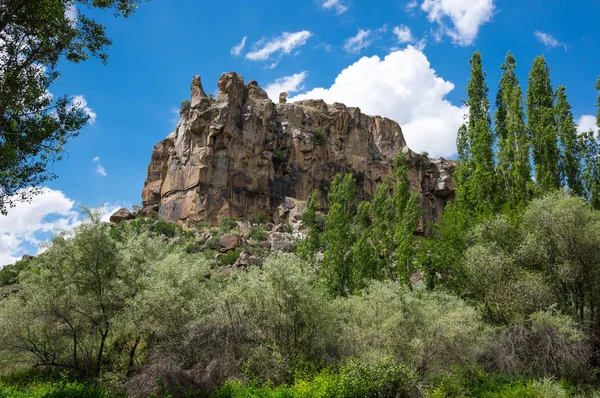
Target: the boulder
pixel 230 242
pixel 121 215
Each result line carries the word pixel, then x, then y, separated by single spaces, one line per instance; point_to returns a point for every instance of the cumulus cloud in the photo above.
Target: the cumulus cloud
pixel 403 34
pixel 465 17
pixel 404 87
pixel 98 168
pixel 79 101
pixel 279 46
pixel 586 123
pixel 289 84
pixel 548 40
pixel 359 42
pixel 237 49
pixel 29 224
pixel 335 5
pixel 47 212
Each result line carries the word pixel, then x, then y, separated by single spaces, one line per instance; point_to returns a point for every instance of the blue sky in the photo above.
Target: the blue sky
pixel 405 59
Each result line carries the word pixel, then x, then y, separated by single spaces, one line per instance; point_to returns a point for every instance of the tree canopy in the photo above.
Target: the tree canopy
pixel 35 125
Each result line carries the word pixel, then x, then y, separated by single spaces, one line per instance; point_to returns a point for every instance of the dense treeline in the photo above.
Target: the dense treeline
pixel 501 300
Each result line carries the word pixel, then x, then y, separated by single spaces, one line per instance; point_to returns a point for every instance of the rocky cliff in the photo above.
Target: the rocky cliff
pixel 241 155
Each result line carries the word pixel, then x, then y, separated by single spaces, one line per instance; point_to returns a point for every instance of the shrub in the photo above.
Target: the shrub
pixel 9 274
pixel 260 218
pixel 230 257
pixel 258 234
pixel 278 158
pixel 184 105
pixel 320 137
pixel 168 229
pixel 545 345
pixel 227 224
pixel 201 225
pixel 288 228
pixel 429 331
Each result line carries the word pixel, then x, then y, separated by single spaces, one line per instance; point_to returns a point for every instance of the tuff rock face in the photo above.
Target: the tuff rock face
pixel 242 155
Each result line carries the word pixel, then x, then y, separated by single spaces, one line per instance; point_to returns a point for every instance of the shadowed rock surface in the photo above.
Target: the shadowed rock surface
pixel 241 155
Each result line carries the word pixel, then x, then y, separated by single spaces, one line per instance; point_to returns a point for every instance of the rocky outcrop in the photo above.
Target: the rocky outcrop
pixel 241 155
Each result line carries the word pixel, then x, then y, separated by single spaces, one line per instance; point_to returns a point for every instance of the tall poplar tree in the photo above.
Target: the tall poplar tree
pixel 475 177
pixel 570 156
pixel 513 144
pixel 590 152
pixel 542 127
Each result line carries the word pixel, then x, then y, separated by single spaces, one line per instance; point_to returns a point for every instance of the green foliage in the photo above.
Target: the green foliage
pixel 312 243
pixel 259 218
pixel 320 137
pixel 230 257
pixel 477 383
pixel 353 380
pixel 542 127
pixel 278 159
pixel 513 142
pixel 9 274
pixel 570 156
pixel 201 225
pixel 227 224
pixel 184 105
pixel 476 192
pixel 258 234
pixel 337 259
pixel 35 126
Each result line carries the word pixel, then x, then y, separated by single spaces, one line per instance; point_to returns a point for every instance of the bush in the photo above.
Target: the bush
pixel 258 234
pixel 260 218
pixel 546 345
pixel 320 137
pixel 227 224
pixel 184 105
pixel 230 257
pixel 430 331
pixel 277 159
pixel 9 274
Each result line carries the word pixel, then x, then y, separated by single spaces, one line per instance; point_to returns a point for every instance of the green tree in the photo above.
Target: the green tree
pixel 337 236
pixel 542 127
pixel 590 152
pixel 570 157
pixel 34 127
pixel 407 214
pixel 511 134
pixel 312 243
pixel 475 175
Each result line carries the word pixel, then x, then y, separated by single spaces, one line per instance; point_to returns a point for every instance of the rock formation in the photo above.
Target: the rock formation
pixel 241 155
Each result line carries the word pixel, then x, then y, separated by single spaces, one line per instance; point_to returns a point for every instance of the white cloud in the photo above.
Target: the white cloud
pixel 98 168
pixel 79 101
pixel 29 224
pixel 411 5
pixel 586 123
pixel 289 84
pixel 548 40
pixel 336 5
pixel 284 44
pixel 405 88
pixel 237 49
pixel 403 34
pixel 466 17
pixel 359 42
pixel 25 223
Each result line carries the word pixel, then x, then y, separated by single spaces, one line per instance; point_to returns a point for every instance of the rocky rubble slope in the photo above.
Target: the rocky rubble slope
pixel 241 155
